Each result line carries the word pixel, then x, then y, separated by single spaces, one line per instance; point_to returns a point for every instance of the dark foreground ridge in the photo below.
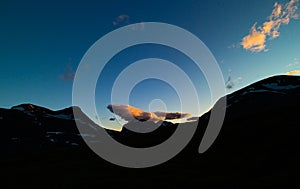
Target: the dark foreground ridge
pixel 256 148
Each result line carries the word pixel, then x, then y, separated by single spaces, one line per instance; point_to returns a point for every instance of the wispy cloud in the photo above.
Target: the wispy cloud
pixel 130 113
pixel 231 83
pixel 294 72
pixel 237 80
pixel 124 19
pixel 234 46
pixel 255 41
pixel 296 61
pixel 68 74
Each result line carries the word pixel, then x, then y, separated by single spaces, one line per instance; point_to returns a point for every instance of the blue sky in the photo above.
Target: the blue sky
pixel 42 42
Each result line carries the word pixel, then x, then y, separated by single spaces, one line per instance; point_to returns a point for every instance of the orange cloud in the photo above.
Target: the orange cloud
pixel 291 9
pixel 281 14
pixel 276 11
pixel 294 72
pixel 255 41
pixel 268 26
pixel 130 113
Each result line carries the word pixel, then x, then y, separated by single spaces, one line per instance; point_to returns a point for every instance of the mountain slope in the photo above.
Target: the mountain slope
pixel 256 148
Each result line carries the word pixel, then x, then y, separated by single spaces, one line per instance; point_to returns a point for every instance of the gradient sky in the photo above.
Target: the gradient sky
pixel 42 45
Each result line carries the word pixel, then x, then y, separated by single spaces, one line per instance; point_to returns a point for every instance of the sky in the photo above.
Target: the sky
pixel 42 44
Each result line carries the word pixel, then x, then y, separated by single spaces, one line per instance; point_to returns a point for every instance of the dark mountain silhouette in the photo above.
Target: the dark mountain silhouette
pixel 256 148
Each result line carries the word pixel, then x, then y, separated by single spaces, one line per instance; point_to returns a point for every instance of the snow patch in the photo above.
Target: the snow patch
pixel 86 135
pixel 275 86
pixel 55 133
pixel 19 108
pixel 61 116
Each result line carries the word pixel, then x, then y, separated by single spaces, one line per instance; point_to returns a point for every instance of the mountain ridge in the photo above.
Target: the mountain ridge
pixel 257 146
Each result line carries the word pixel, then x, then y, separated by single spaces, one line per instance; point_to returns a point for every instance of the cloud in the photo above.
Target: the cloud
pixel 124 19
pixel 233 46
pixel 296 61
pixel 276 11
pixel 138 26
pixel 171 115
pixel 294 72
pixel 68 74
pixel 130 113
pixel 193 119
pixel 268 26
pixel 238 80
pixel 291 11
pixel 255 41
pixel 231 83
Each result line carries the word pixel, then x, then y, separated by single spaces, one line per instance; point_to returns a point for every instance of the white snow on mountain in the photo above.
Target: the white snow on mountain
pixel 275 86
pixel 18 108
pixel 60 116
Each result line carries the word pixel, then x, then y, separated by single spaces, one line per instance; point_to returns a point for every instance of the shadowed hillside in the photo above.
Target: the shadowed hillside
pixel 256 148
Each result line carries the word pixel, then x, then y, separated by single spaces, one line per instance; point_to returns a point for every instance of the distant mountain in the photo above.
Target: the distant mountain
pixel 256 148
pixel 28 127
